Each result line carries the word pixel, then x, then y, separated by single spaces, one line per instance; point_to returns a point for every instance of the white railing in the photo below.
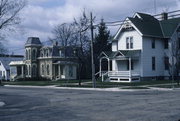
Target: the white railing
pixel 128 74
pixel 104 74
pixel 123 73
pixel 100 73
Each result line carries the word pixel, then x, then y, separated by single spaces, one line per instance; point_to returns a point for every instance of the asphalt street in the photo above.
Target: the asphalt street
pixel 44 104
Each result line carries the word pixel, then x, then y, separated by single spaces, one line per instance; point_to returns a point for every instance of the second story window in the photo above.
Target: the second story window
pixel 26 54
pixel 129 42
pixel 153 43
pixel 34 54
pixel 29 54
pixel 166 44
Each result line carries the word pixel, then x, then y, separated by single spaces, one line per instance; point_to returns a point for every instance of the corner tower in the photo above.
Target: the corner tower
pixel 32 48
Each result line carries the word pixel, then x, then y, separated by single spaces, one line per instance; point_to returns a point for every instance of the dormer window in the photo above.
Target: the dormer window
pixel 61 53
pixel 41 53
pixel 47 53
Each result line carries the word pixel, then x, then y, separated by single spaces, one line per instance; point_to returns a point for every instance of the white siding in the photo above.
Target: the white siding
pixel 137 44
pixel 3 71
pixel 114 46
pixel 137 40
pixel 148 53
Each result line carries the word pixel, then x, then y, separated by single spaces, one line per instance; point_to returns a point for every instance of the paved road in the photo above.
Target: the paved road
pixel 38 104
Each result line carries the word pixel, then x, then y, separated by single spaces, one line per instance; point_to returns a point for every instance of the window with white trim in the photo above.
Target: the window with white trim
pixel 129 42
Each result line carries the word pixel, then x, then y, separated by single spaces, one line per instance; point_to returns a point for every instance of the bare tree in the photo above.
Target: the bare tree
pixel 174 65
pixel 82 35
pixel 9 17
pixel 76 34
pixel 63 34
pixel 9 10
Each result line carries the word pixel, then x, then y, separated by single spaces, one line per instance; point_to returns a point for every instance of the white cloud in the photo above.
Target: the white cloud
pixel 38 20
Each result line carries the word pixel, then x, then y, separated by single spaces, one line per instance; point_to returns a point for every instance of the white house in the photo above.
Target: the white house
pixel 4 65
pixel 140 49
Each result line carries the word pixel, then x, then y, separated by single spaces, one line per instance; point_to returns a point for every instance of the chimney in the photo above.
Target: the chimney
pixel 55 43
pixel 164 16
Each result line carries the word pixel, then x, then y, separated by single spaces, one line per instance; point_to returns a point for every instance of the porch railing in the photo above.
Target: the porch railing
pixel 120 74
pixel 123 73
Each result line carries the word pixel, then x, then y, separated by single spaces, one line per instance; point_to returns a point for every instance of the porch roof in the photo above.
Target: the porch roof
pixel 120 54
pixel 64 63
pixel 16 63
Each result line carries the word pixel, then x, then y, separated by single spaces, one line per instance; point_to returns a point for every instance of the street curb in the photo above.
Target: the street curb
pixel 92 89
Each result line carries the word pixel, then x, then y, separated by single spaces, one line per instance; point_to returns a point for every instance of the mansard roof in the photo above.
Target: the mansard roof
pixel 68 50
pixel 33 41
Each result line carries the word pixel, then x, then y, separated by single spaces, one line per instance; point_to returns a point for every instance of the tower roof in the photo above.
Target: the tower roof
pixel 33 41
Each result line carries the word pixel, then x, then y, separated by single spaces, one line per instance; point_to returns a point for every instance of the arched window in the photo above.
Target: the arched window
pixel 34 54
pixel 26 54
pixel 48 69
pixel 26 70
pixel 42 69
pixel 34 70
pixel 41 53
pixel 29 70
pixel 29 54
pixel 47 53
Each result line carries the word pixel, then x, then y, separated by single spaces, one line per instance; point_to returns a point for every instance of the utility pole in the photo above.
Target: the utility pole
pixel 172 47
pixel 155 6
pixel 92 56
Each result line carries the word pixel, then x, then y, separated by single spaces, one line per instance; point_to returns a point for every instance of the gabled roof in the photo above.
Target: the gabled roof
pixel 119 53
pixel 147 25
pixel 109 54
pixel 169 26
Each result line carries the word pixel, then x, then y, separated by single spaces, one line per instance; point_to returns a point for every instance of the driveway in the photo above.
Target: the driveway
pixel 44 104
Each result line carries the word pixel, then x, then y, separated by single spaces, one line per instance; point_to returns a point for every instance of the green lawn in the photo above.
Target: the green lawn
pixel 43 83
pixel 167 86
pixel 135 83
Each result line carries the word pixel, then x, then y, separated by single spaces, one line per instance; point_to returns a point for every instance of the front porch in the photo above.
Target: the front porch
pixel 17 70
pixel 125 66
pixel 64 70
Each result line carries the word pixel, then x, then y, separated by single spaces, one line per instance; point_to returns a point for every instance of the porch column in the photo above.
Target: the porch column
pixel 22 71
pixel 108 64
pixel 59 71
pixel 129 69
pixel 100 67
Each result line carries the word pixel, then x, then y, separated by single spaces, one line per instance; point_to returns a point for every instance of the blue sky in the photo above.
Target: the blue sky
pixel 40 16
